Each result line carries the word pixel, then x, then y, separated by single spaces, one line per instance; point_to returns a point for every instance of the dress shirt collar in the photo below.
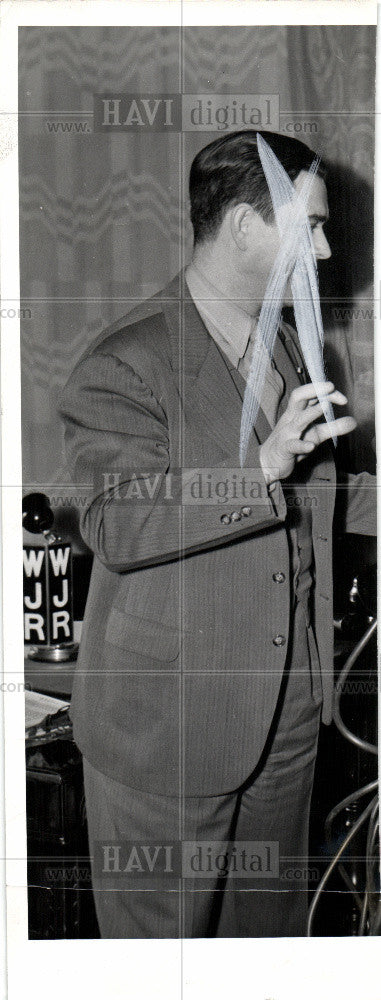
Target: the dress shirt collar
pixel 232 325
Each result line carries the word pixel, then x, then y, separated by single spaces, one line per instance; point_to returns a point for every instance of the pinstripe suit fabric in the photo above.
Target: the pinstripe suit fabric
pixel 178 674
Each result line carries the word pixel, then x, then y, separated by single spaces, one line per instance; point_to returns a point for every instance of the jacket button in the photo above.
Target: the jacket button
pixel 279 577
pixel 235 516
pixel 246 511
pixel 225 519
pixel 279 640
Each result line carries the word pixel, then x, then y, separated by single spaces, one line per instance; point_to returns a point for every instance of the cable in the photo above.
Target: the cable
pixel 347 802
pixel 372 829
pixel 371 810
pixel 343 729
pixel 362 744
pixel 356 826
pixel 328 832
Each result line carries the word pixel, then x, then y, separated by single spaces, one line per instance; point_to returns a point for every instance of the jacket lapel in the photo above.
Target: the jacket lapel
pixel 208 381
pixel 207 378
pixel 262 427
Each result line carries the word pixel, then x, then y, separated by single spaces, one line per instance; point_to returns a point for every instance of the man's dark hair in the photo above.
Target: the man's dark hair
pixel 228 171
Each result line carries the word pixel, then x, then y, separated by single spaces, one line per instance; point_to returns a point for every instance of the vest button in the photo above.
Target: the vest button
pixel 279 640
pixel 279 577
pixel 235 516
pixel 225 519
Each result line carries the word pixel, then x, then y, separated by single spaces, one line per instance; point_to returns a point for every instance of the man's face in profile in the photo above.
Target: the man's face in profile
pixel 265 239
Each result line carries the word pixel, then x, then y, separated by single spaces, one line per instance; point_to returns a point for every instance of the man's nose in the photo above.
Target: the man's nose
pixel 322 248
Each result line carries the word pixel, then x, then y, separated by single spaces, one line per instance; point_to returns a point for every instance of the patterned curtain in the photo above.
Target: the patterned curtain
pixel 101 216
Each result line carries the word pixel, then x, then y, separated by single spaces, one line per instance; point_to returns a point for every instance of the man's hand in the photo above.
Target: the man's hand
pixel 297 434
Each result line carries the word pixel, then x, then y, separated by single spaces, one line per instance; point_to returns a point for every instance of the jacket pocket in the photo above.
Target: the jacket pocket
pixel 141 635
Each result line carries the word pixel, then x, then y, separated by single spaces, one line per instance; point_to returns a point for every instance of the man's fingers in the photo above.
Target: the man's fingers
pixel 336 397
pixel 306 396
pixel 314 410
pixel 300 396
pixel 332 428
pixel 298 447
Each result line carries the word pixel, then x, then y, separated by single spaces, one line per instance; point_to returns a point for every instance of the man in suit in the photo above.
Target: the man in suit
pixel 207 644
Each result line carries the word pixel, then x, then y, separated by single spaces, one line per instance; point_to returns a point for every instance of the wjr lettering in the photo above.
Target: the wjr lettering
pixel 48 617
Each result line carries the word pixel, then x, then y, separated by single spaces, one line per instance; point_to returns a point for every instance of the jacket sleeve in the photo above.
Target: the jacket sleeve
pixel 356 507
pixel 137 511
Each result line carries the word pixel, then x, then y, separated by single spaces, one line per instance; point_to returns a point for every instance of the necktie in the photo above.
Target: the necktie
pixel 274 385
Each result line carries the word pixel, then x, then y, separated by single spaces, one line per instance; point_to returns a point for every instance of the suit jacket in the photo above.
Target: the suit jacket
pixel 186 628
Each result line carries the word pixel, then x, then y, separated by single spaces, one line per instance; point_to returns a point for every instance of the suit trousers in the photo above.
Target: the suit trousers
pixel 241 858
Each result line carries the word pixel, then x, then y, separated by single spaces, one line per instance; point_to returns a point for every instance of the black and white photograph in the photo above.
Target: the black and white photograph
pixel 197 518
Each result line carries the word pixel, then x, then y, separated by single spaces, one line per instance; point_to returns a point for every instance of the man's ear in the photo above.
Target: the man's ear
pixel 241 220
